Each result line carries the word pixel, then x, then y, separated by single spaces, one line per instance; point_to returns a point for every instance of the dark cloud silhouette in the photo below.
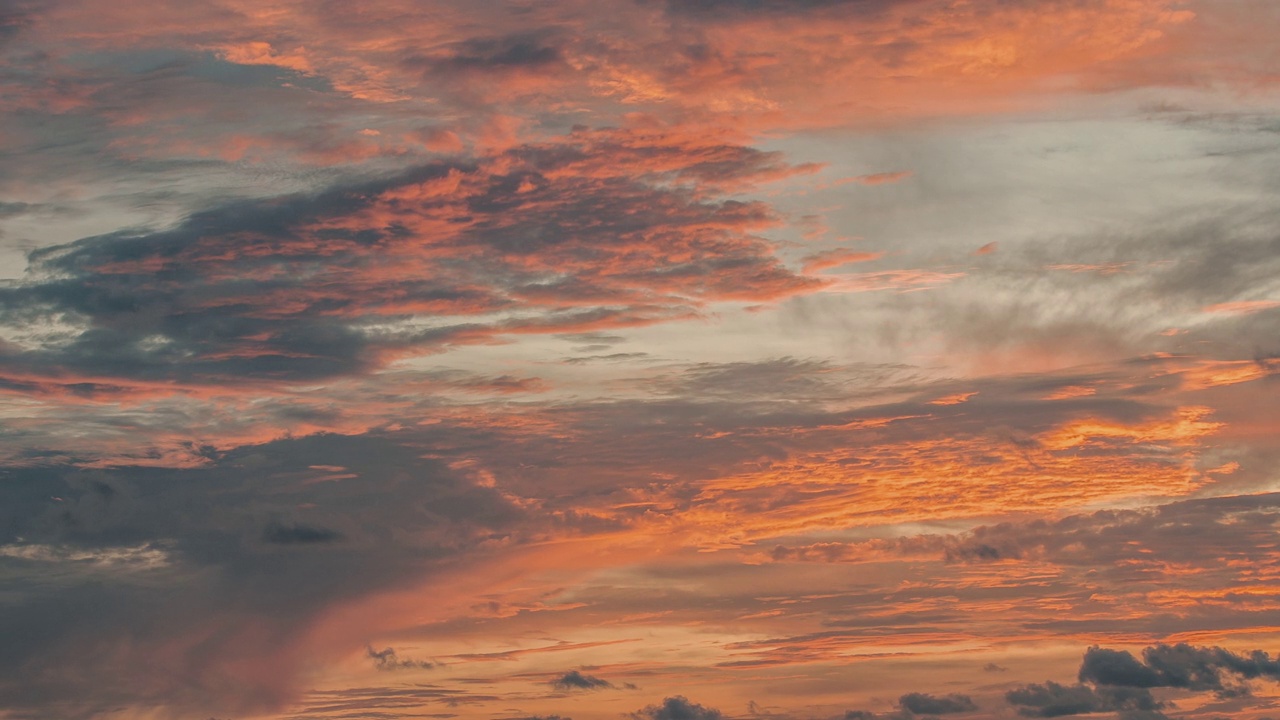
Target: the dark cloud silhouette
pixel 575 680
pixel 925 704
pixel 387 659
pixel 1116 681
pixel 1117 667
pixel 1179 666
pixel 677 707
pixel 914 704
pixel 1053 700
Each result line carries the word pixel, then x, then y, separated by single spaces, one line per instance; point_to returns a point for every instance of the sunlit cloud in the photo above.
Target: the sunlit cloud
pixel 668 360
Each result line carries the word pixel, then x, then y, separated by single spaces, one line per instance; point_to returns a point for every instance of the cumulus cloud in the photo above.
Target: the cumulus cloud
pixel 1116 681
pixel 1178 666
pixel 915 704
pixel 1053 700
pixel 677 707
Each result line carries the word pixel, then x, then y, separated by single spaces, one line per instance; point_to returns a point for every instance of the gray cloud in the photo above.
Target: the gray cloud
pixel 1053 700
pixel 1179 666
pixel 575 680
pixel 677 707
pixel 1203 529
pixel 387 659
pixel 302 287
pixel 14 16
pixel 1116 681
pixel 925 704
pixel 282 534
pixel 521 51
pixel 105 567
pixel 913 704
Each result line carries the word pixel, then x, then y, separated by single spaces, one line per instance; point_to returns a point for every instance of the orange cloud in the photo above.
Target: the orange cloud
pixel 837 257
pixel 1241 307
pixel 1212 373
pixel 953 399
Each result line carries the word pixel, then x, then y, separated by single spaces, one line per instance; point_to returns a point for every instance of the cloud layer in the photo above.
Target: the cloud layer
pixel 542 359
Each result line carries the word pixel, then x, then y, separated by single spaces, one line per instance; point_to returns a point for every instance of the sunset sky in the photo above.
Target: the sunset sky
pixel 639 359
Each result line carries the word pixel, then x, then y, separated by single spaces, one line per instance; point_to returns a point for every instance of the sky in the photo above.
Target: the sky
pixel 639 359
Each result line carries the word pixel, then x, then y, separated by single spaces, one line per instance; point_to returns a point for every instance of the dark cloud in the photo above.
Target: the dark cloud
pixel 14 16
pixel 282 534
pixel 387 659
pixel 1117 667
pixel 575 680
pixel 97 583
pixel 520 51
pixel 1118 682
pixel 1053 700
pixel 677 708
pixel 308 287
pixel 914 704
pixel 925 704
pixel 10 209
pixel 1179 666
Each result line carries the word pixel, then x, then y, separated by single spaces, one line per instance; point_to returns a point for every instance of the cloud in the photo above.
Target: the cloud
pixel 835 258
pixel 173 542
pixel 575 680
pixel 677 707
pixel 281 534
pixel 156 595
pixel 925 704
pixel 387 659
pixel 1100 539
pixel 1119 682
pixel 523 50
pixel 1180 666
pixel 14 16
pixel 580 233
pixel 1242 307
pixel 914 704
pixel 1053 700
